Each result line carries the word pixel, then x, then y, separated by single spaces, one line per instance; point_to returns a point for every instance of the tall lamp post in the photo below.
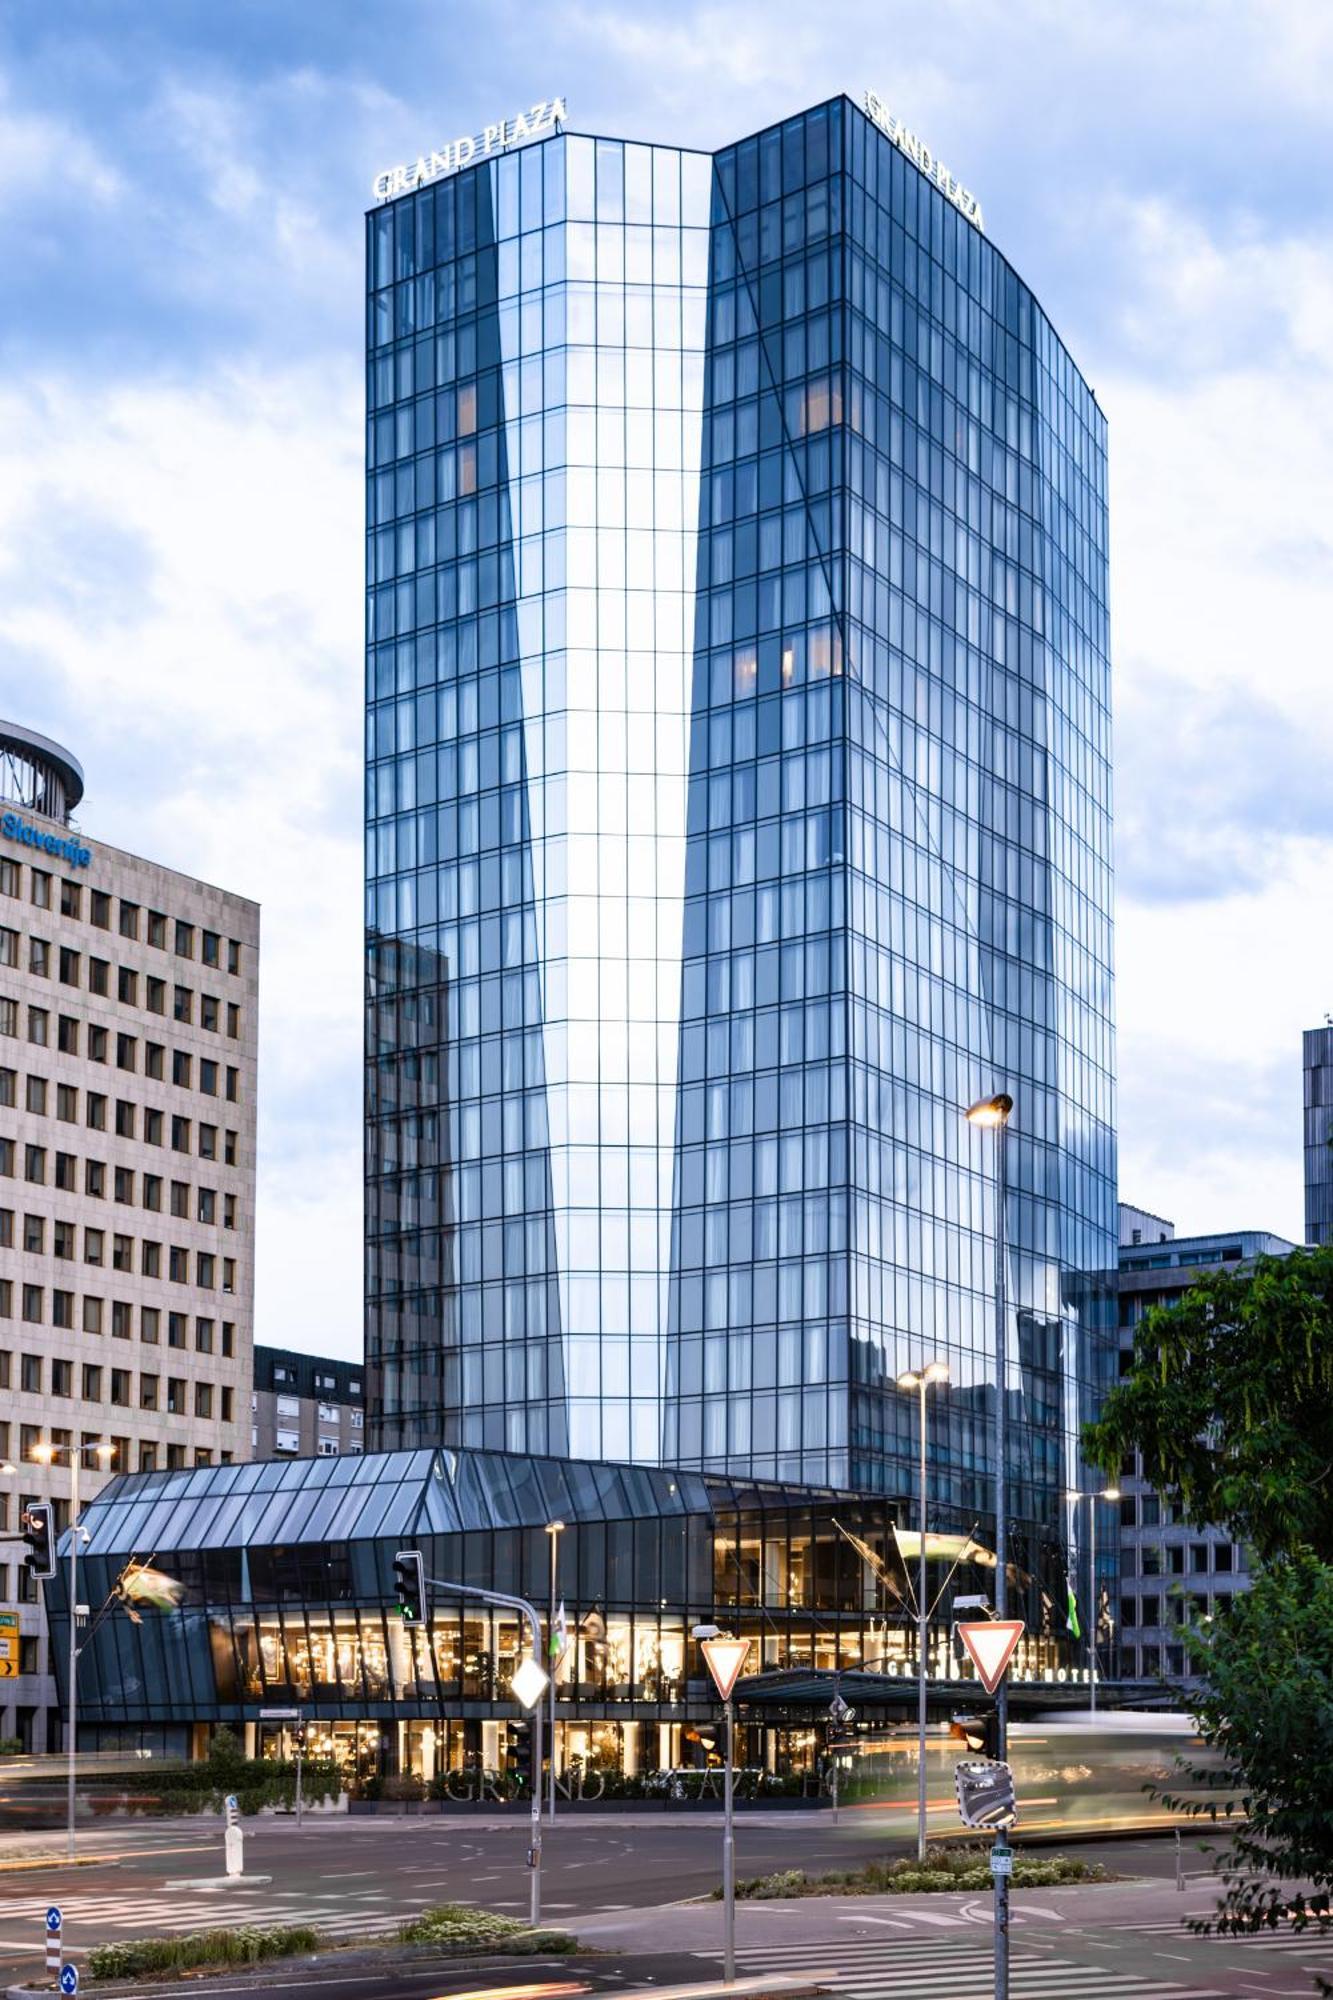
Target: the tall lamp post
pixel 1107 1493
pixel 46 1454
pixel 993 1114
pixel 724 1658
pixel 528 1680
pixel 920 1380
pixel 554 1529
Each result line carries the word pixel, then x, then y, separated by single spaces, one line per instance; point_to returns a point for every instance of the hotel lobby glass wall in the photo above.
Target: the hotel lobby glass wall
pixel 289 1600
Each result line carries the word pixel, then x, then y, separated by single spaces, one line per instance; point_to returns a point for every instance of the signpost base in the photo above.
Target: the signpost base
pixel 1001 1867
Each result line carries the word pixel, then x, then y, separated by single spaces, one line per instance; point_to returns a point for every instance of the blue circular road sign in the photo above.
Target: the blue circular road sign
pixel 53 1918
pixel 69 1979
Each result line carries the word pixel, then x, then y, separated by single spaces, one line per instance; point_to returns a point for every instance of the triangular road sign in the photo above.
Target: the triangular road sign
pixel 991 1643
pixel 725 1658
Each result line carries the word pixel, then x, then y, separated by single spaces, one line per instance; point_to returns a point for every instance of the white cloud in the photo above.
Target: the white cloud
pixel 1221 423
pixel 41 154
pixel 209 675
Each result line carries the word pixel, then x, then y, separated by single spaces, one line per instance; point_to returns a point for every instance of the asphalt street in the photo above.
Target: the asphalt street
pixel 625 1885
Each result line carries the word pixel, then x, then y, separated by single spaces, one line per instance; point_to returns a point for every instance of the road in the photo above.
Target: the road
pixel 620 1882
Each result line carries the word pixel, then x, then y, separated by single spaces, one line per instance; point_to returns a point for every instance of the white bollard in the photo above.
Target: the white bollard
pixel 234 1839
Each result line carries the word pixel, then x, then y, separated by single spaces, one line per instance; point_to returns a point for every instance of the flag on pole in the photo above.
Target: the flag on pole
pixel 1072 1625
pixel 560 1635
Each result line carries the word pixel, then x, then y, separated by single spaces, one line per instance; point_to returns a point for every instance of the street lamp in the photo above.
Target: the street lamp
pixel 993 1114
pixel 528 1682
pixel 46 1454
pixel 920 1380
pixel 1111 1492
pixel 554 1529
pixel 724 1658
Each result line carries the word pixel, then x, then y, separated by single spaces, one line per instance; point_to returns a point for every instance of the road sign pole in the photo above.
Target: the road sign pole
pixel 1001 1865
pixel 729 1855
pixel 724 1659
pixel 54 1953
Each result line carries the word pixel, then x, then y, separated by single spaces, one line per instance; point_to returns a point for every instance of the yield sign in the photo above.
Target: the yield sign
pixel 725 1658
pixel 991 1642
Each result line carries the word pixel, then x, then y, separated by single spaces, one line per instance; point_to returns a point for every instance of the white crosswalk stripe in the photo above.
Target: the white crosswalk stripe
pixel 1311 1942
pixel 152 1915
pixel 936 1968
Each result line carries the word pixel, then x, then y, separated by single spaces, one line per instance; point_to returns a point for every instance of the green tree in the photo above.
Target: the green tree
pixel 1265 1707
pixel 1230 1402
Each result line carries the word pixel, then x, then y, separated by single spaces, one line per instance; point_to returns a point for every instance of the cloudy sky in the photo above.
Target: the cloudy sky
pixel 181 187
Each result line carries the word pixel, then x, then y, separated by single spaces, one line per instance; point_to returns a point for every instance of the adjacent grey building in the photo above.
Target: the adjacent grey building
pixel 1170 1572
pixel 306 1405
pixel 1318 1135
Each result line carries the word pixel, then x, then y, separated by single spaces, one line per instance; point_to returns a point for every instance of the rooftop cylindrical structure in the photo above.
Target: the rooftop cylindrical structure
pixel 38 774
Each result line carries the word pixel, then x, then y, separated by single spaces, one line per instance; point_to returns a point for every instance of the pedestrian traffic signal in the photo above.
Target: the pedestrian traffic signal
pixel 981 1733
pixel 409 1577
pixel 38 1527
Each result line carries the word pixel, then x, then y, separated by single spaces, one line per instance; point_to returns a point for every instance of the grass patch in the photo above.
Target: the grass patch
pixel 945 1870
pixel 244 1945
pixel 461 1927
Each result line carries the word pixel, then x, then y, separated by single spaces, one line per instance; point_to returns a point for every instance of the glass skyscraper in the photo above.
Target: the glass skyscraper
pixel 738 811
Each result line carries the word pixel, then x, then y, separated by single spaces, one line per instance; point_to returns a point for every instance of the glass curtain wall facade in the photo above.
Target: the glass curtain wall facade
pixel 763 683
pixel 535 383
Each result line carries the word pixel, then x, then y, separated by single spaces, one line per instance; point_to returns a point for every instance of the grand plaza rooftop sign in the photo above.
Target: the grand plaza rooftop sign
pixel 465 152
pixel 921 156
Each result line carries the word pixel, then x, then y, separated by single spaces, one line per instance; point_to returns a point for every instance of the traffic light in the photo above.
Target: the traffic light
pixel 409 1575
pixel 38 1526
pixel 520 1757
pixel 981 1733
pixel 298 1736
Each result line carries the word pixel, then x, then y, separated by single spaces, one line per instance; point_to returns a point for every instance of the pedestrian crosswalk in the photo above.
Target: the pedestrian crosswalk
pixel 938 1968
pixel 1313 1943
pixel 87 1919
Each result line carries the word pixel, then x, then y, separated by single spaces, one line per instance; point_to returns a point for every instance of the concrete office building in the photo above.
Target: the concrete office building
pixel 127 1168
pixel 738 812
pixel 1170 1571
pixel 306 1405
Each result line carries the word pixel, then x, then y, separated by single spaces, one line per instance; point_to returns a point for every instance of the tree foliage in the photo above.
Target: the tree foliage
pixel 1265 1705
pixel 1230 1402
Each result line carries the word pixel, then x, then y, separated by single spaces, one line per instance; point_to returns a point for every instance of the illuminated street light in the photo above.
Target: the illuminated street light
pixel 555 1529
pixel 917 1381
pixel 1111 1492
pixel 46 1453
pixel 993 1114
